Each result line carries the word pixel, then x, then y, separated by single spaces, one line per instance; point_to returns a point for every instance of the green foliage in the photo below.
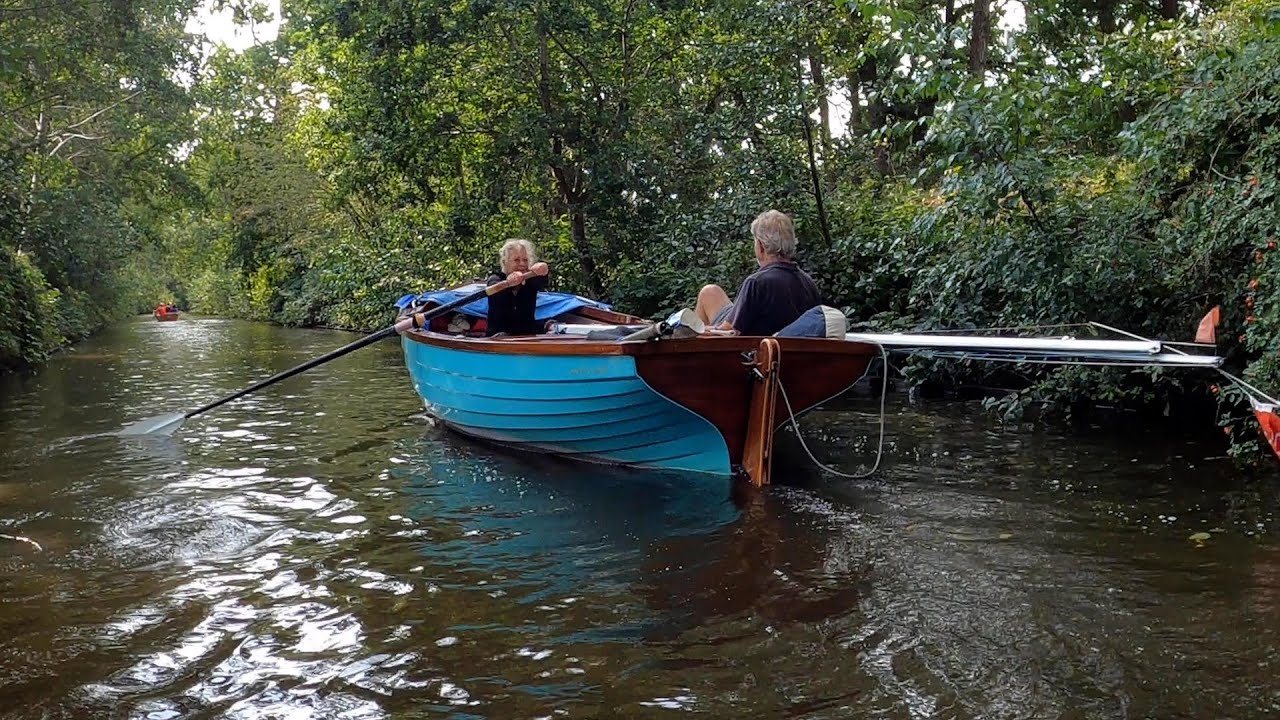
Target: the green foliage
pixel 1048 216
pixel 877 253
pixel 27 329
pixel 90 112
pixel 1212 158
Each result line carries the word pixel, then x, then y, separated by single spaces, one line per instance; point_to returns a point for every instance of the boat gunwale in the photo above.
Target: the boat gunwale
pixel 562 345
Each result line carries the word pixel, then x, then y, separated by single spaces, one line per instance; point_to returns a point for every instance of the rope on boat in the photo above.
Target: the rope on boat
pixel 1224 373
pixel 1247 386
pixel 943 331
pixel 884 392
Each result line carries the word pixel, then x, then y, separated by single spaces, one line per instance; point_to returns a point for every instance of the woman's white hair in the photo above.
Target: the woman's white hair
pixel 776 234
pixel 509 247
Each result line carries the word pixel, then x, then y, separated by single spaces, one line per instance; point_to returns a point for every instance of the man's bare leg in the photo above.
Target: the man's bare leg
pixel 711 300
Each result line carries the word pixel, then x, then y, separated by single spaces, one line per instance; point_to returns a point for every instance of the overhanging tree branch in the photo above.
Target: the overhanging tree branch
pixel 595 85
pixel 103 110
pixel 68 137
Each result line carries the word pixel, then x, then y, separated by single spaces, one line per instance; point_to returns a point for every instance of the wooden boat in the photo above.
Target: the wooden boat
pixel 710 402
pixel 702 404
pixel 165 315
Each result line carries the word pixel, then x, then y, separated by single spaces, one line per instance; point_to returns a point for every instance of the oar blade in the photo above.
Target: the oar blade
pixel 158 425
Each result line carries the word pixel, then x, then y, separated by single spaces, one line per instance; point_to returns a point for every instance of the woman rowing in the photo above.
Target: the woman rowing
pixel 511 311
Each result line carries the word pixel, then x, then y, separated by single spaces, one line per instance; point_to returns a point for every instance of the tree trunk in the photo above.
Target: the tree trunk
pixel 26 203
pixel 815 177
pixel 877 114
pixel 856 122
pixel 868 75
pixel 568 176
pixel 1169 9
pixel 578 232
pixel 824 104
pixel 980 38
pixel 1107 16
pixel 757 140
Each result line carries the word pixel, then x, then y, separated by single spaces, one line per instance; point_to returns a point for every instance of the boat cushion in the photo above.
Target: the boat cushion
pixel 549 305
pixel 819 321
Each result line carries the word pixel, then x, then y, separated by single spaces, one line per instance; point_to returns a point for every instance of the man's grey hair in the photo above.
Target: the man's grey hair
pixel 508 248
pixel 776 234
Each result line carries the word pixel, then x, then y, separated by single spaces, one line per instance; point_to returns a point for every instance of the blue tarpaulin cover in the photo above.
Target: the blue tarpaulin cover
pixel 550 304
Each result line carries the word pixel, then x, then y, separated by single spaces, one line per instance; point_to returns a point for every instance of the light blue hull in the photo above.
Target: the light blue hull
pixel 591 407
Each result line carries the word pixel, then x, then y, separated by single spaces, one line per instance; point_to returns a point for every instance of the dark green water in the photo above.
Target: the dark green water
pixel 320 550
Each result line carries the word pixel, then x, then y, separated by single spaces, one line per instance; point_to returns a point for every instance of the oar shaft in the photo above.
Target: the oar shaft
pixel 418 320
pixel 368 340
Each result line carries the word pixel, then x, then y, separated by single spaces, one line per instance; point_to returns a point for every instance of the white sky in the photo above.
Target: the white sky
pixel 220 28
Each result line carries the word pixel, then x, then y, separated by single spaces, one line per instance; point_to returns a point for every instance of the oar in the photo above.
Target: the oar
pixel 167 424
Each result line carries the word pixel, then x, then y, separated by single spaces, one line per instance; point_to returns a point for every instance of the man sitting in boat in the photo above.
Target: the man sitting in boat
pixel 772 297
pixel 511 311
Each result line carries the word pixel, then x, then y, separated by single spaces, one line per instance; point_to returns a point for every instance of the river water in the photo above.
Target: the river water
pixel 319 549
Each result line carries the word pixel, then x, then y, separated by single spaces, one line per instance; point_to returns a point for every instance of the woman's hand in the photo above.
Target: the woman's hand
pixel 517 278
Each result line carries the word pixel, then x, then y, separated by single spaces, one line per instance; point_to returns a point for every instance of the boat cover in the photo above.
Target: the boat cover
pixel 549 305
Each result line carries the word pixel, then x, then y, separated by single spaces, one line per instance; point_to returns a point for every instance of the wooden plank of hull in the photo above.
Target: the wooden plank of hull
pixel 601 315
pixel 573 396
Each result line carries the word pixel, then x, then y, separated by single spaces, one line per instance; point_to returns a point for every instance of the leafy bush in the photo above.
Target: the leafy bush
pixel 29 328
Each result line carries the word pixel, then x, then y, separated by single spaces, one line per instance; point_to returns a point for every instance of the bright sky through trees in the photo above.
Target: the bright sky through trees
pixel 220 26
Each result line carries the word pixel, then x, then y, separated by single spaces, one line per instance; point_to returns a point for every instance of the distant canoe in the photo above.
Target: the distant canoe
pixel 166 316
pixel 704 404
